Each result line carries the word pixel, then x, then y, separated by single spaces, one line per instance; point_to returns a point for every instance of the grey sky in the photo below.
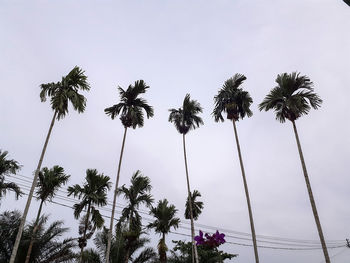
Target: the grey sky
pixel 181 47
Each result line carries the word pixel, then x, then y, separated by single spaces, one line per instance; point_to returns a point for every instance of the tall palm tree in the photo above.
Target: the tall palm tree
pixel 61 93
pixel 50 181
pixel 186 119
pixel 292 98
pixel 8 167
pixel 235 102
pixel 197 206
pixel 48 248
pixel 130 108
pixel 137 194
pixel 92 194
pixel 165 220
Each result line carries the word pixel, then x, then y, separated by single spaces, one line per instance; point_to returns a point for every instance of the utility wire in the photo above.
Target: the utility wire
pixel 305 245
pixel 282 239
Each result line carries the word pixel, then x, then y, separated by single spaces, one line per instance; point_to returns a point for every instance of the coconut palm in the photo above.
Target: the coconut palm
pixel 48 247
pixel 165 220
pixel 8 167
pixel 186 119
pixel 60 93
pixel 235 103
pixel 92 194
pixel 292 98
pixel 137 194
pixel 50 181
pixel 121 245
pixel 130 108
pixel 197 206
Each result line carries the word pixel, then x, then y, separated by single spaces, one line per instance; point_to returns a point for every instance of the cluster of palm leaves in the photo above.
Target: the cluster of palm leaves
pixel 292 98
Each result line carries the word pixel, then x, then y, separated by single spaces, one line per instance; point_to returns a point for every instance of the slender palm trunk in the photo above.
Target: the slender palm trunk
pixel 114 200
pixel 312 200
pixel 247 195
pixel 190 204
pixel 162 252
pixel 84 234
pixel 128 248
pixel 30 196
pixel 35 229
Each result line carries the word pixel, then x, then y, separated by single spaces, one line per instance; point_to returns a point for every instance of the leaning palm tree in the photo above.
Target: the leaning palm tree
pixel 197 206
pixel 130 108
pixel 8 167
pixel 61 93
pixel 235 103
pixel 186 119
pixel 50 181
pixel 92 194
pixel 165 220
pixel 136 195
pixel 48 248
pixel 292 98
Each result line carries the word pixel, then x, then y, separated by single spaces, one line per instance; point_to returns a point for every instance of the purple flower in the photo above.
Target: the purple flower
pixel 211 241
pixel 199 239
pixel 219 238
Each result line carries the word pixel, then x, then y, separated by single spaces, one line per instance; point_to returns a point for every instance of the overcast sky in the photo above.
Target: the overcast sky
pixel 181 47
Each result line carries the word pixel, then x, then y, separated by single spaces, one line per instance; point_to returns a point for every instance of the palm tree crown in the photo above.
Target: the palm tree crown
pixel 186 118
pixel 136 195
pixel 66 90
pixel 165 217
pixel 48 247
pixel 232 100
pixel 131 107
pixel 197 206
pixel 50 180
pixel 292 97
pixel 8 167
pixel 93 192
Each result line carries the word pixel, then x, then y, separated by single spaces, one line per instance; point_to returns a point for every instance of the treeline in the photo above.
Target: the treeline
pixel 292 98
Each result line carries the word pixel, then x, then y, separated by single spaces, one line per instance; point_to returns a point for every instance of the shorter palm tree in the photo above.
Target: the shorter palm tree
pixel 50 181
pixel 92 194
pixel 8 167
pixel 48 248
pixel 165 220
pixel 137 194
pixel 120 246
pixel 197 206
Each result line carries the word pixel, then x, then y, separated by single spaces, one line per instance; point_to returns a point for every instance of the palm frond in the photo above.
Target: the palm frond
pixel 292 97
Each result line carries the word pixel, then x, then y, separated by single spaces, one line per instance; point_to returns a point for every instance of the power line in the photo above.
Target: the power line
pixel 302 243
pixel 282 239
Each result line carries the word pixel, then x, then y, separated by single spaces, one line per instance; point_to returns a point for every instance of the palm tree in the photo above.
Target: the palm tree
pixel 50 181
pixel 197 206
pixel 186 119
pixel 93 194
pixel 8 167
pixel 121 245
pixel 137 194
pixel 165 220
pixel 235 102
pixel 292 98
pixel 61 92
pixel 48 247
pixel 130 108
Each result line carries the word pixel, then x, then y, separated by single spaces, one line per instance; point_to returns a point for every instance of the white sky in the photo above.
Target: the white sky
pixel 181 47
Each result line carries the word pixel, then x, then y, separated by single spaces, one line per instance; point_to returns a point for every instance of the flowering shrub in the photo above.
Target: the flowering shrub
pixel 211 241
